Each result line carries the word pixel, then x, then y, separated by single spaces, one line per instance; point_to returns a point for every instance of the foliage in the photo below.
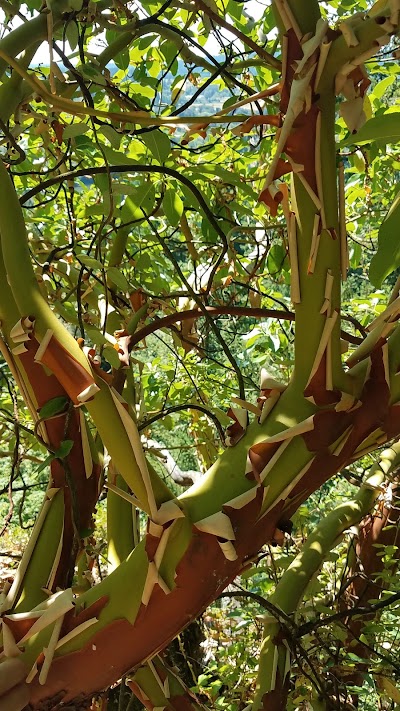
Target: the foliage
pixel 139 142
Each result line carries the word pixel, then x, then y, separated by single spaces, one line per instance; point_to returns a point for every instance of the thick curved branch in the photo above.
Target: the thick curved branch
pixel 163 170
pixel 77 108
pixel 220 311
pixel 265 604
pixel 212 311
pixel 22 38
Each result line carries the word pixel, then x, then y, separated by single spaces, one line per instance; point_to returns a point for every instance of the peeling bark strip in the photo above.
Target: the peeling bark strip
pixel 157 686
pixel 44 388
pixel 236 431
pixel 379 528
pixel 73 377
pixel 161 614
pixel 295 292
pixel 159 621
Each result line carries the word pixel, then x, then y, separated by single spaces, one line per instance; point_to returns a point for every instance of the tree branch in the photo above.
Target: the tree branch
pixel 178 408
pixel 360 610
pixel 216 311
pixel 268 58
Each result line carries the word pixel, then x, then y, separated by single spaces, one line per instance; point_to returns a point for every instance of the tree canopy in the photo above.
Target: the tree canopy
pixel 199 219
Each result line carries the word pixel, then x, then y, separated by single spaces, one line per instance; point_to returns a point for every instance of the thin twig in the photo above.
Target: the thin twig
pixel 178 408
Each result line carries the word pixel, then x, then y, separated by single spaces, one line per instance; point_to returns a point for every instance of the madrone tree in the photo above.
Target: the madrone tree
pixel 133 198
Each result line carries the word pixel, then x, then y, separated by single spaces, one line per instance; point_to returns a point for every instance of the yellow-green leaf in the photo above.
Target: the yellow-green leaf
pixel 387 257
pixel 173 206
pixel 158 144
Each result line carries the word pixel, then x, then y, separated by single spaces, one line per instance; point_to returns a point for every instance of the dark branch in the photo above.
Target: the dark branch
pixel 98 170
pixel 177 408
pixel 219 311
pixel 346 614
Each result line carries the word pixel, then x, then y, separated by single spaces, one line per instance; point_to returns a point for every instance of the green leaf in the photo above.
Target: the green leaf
pixel 139 90
pixel 177 87
pixel 203 680
pixel 75 129
pixel 117 157
pixel 85 532
pixel 96 337
pixel 62 452
pixel 382 86
pixel 387 257
pixel 123 189
pixel 64 449
pixel 224 419
pixel 249 573
pixel 53 407
pixel 381 128
pixel 117 278
pixel 140 203
pixel 112 356
pixel 276 258
pixel 145 42
pixel 96 209
pixel 168 49
pixel 91 72
pixel 173 206
pixel 46 462
pixel 158 144
pixel 122 60
pixel 354 657
pixel 111 134
pixel 90 262
pixel 72 34
pixel 168 423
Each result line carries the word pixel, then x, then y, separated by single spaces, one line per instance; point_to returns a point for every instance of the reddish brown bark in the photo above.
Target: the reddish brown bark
pixel 201 575
pixel 203 571
pixel 184 701
pixel 376 530
pixel 80 492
